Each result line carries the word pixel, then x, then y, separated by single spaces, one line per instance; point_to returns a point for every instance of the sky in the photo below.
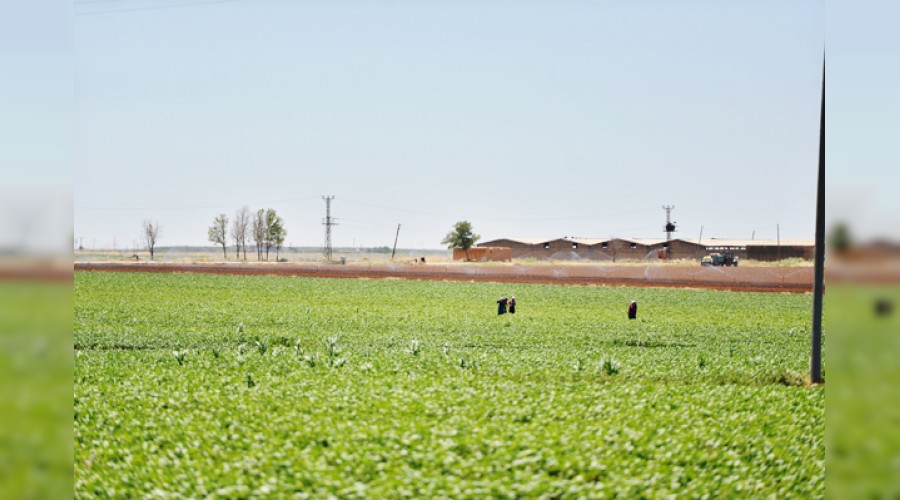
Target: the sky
pixel 529 119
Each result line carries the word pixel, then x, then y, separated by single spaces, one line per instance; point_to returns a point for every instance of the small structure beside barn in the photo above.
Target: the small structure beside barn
pixel 484 254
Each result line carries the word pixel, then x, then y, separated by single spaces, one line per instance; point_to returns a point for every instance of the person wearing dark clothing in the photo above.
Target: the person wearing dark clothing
pixel 632 310
pixel 501 305
pixel 512 305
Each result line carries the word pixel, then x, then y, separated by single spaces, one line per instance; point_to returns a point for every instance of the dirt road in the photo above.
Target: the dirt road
pixel 755 279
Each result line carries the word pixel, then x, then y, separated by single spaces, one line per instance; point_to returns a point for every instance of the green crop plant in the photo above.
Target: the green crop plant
pixel 580 365
pixel 611 366
pixel 332 351
pixel 571 400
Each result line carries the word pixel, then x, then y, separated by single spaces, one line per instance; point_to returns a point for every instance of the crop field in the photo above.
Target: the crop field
pixel 243 386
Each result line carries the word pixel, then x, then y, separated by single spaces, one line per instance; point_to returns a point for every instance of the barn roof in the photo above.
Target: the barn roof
pixel 642 241
pixel 732 242
pixel 708 242
pixel 584 241
pixel 524 241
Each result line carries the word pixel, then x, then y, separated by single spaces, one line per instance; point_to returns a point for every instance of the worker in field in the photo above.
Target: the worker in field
pixel 501 305
pixel 512 304
pixel 632 310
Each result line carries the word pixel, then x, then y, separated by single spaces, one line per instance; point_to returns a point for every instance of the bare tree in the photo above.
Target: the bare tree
pixel 151 234
pixel 239 227
pixel 259 232
pixel 218 233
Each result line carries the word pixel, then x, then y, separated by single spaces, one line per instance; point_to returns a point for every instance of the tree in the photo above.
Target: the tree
pixel 259 231
pixel 461 237
pixel 275 232
pixel 218 233
pixel 278 239
pixel 840 239
pixel 239 227
pixel 151 234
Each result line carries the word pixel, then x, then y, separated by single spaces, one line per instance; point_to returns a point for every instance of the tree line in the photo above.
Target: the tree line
pixel 265 228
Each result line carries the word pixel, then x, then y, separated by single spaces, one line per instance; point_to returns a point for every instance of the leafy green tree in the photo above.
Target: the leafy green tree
pixel 275 232
pixel 461 237
pixel 218 233
pixel 259 231
pixel 840 239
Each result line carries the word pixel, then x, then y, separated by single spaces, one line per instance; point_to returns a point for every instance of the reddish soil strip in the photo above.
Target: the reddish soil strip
pixel 748 279
pixel 41 273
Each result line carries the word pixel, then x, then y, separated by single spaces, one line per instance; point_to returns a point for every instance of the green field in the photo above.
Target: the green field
pixel 197 385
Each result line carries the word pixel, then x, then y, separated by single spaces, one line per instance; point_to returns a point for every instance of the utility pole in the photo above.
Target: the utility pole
pixel 700 239
pixel 328 221
pixel 395 242
pixel 670 226
pixel 778 239
pixel 815 359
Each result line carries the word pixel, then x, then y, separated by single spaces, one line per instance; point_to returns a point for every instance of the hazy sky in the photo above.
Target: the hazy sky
pixel 529 119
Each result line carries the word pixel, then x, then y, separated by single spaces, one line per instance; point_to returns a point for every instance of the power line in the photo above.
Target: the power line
pixel 91 2
pixel 209 207
pixel 149 7
pixel 581 217
pixel 502 219
pixel 358 222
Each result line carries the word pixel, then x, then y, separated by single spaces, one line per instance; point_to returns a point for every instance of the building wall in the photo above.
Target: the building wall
pixel 685 250
pixel 772 253
pixel 621 250
pixel 517 250
pixel 562 249
pixel 484 254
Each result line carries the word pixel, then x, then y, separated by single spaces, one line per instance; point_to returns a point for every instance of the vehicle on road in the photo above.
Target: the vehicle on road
pixel 720 259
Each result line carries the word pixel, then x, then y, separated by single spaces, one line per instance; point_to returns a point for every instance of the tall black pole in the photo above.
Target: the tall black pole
pixel 815 361
pixel 395 242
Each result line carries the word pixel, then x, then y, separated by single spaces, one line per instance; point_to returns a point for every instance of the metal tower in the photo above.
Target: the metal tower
pixel 670 226
pixel 328 221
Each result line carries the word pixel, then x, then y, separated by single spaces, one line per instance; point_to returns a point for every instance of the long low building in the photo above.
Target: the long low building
pixel 644 249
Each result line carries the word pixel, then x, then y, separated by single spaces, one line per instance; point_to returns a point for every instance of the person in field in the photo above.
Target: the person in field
pixel 501 305
pixel 512 304
pixel 632 310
